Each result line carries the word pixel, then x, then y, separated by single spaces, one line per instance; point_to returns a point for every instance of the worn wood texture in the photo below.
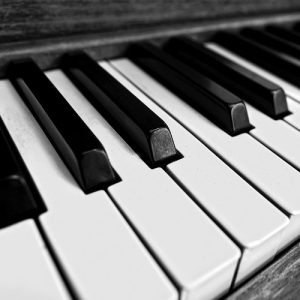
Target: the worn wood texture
pixel 280 280
pixel 46 29
pixel 47 51
pixel 32 19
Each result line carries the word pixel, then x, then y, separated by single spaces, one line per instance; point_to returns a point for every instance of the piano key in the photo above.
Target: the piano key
pixel 296 27
pixel 20 199
pixel 111 249
pixel 259 239
pixel 259 166
pixel 82 152
pixel 218 104
pixel 272 42
pixel 101 256
pixel 140 127
pixel 263 94
pixel 289 89
pixel 150 197
pixel 27 271
pixel 284 33
pixel 292 91
pixel 259 54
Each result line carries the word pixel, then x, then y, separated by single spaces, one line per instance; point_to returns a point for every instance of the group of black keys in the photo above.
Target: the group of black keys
pixel 212 84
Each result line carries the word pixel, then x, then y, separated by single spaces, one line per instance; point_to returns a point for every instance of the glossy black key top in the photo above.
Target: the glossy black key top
pixel 216 103
pixel 79 148
pixel 144 131
pixel 284 33
pixel 271 42
pixel 19 197
pixel 296 27
pixel 263 94
pixel 259 55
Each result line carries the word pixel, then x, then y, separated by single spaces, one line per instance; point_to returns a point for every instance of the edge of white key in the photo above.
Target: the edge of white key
pixel 27 271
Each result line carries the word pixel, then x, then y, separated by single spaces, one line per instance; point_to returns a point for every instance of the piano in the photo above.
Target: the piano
pixel 150 150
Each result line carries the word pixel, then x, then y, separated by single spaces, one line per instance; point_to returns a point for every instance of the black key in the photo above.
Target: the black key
pixel 19 197
pixel 263 94
pixel 296 27
pixel 271 42
pixel 284 33
pixel 216 103
pixel 79 148
pixel 144 131
pixel 259 55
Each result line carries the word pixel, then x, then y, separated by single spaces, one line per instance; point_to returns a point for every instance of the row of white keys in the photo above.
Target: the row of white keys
pixel 260 166
pixel 291 91
pixel 194 251
pixel 27 272
pixel 251 219
pixel 98 250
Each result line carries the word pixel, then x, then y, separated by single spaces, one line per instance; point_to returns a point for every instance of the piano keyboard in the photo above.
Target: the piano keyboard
pixel 169 173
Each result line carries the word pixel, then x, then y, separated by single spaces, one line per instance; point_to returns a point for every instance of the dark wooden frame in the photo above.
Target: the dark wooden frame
pixel 279 280
pixel 46 29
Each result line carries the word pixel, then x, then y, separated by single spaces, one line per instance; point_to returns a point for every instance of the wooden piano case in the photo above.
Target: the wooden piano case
pixel 46 29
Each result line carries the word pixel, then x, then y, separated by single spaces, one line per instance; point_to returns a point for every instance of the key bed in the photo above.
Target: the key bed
pixel 188 207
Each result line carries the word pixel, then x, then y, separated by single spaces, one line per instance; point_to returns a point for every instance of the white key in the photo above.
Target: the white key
pixel 220 190
pixel 183 238
pixel 27 272
pixel 276 135
pixel 97 248
pixel 269 173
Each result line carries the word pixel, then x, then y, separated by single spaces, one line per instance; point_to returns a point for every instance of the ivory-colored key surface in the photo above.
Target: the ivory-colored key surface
pixel 183 239
pixel 251 219
pixel 98 250
pixel 256 163
pixel 27 272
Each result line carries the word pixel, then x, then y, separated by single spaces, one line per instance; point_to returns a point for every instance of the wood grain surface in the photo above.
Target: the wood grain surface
pixel 279 281
pixel 46 29
pixel 32 19
pixel 47 51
